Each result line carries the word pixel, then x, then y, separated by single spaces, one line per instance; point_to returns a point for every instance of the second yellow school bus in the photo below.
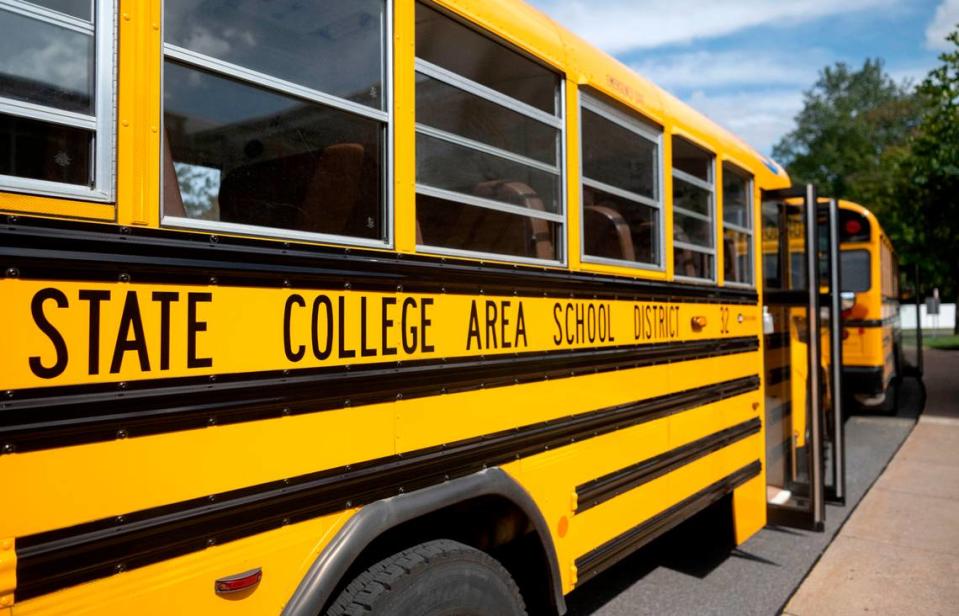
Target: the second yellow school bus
pixel 872 336
pixel 373 306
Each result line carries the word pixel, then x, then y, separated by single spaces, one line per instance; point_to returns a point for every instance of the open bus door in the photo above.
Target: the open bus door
pixel 794 368
pixel 830 301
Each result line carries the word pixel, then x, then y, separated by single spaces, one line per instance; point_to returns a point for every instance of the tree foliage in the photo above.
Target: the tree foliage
pixel 850 131
pixel 891 147
pixel 928 213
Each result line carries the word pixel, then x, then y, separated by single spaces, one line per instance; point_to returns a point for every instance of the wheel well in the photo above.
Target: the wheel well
pixel 491 523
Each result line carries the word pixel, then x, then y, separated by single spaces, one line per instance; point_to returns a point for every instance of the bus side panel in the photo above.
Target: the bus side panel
pixel 185 585
pixel 578 527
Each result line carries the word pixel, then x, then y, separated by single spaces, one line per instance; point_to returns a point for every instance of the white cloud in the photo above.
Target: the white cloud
pixel 705 69
pixel 945 21
pixel 620 25
pixel 758 118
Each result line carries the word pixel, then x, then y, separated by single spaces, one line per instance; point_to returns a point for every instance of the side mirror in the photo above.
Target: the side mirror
pixel 847 299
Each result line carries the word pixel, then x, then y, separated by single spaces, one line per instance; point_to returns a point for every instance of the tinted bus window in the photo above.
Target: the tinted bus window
pixel 693 211
pixel 461 50
pixel 855 270
pixel 488 164
pixel 261 123
pixel 621 197
pixel 56 128
pixel 737 226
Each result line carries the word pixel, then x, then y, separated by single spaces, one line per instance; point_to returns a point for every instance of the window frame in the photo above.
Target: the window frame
pixel 709 186
pixel 750 208
pixel 596 105
pixel 240 74
pixel 557 122
pixel 103 125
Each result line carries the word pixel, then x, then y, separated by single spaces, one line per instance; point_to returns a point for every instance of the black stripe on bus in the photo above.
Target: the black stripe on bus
pixel 55 417
pixel 778 340
pixel 602 489
pixel 775 376
pixel 614 550
pixel 65 557
pixel 870 322
pixel 42 249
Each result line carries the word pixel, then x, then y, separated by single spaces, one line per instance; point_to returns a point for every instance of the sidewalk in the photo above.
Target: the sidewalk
pixel 899 551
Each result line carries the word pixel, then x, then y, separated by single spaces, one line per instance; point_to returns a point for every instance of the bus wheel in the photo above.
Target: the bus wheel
pixel 430 579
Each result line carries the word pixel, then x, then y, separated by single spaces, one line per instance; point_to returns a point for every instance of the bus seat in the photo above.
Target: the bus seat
pixel 684 261
pixel 607 233
pixel 537 230
pixel 303 191
pixel 334 190
pixel 172 199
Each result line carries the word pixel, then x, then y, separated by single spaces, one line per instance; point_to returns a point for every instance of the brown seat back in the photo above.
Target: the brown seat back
pixel 684 260
pixel 172 199
pixel 333 191
pixel 518 237
pixel 607 234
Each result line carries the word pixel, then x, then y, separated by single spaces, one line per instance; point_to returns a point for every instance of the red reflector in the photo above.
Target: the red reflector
pixel 845 334
pixel 853 226
pixel 238 582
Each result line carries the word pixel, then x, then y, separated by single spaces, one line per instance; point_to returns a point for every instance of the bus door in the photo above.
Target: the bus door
pixel 830 301
pixel 793 361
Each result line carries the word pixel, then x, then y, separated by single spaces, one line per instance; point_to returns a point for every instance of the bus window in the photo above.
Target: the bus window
pixel 855 270
pixel 488 164
pixel 737 226
pixel 693 211
pixel 264 136
pixel 462 51
pixel 56 96
pixel 621 196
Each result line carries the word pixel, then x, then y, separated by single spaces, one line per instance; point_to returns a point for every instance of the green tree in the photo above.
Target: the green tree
pixel 851 133
pixel 928 194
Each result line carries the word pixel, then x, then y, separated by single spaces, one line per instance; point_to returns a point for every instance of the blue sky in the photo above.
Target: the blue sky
pixel 746 63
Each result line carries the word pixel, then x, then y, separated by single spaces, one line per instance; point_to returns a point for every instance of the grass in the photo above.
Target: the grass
pixel 944 343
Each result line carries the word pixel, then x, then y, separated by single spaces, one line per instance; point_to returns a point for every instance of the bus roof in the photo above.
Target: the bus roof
pixel 534 32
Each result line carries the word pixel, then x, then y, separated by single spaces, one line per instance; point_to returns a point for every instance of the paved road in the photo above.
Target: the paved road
pixel 695 570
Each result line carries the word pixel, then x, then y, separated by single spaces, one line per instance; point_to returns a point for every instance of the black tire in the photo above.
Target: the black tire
pixel 437 578
pixel 890 406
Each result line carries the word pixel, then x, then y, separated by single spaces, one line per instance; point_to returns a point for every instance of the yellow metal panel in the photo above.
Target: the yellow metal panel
pixel 138 107
pixel 867 346
pixel 749 505
pixel 573 179
pixel 61 487
pixel 184 585
pixel 404 126
pixel 94 481
pixel 430 421
pixel 60 208
pixel 8 570
pixel 551 477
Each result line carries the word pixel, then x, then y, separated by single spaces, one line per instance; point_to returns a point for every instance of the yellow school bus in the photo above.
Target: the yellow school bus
pixel 872 334
pixel 382 306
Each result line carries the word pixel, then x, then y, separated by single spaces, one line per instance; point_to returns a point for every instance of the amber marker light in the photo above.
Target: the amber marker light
pixel 698 323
